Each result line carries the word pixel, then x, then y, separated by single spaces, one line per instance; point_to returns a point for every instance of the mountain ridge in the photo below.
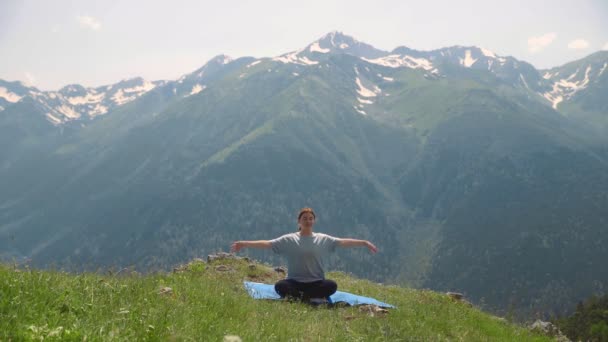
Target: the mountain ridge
pixel 87 103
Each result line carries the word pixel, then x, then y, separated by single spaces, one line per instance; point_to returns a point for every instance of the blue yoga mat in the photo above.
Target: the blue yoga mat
pixel 266 291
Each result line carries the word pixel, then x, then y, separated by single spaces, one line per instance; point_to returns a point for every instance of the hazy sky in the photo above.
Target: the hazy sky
pixel 50 44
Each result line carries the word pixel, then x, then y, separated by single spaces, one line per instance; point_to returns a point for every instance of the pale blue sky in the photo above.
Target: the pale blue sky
pixel 50 44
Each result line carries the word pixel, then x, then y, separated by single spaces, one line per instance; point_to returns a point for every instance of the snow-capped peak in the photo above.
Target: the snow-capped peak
pixel 339 42
pixel 333 42
pixel 74 101
pixel 221 59
pixel 295 57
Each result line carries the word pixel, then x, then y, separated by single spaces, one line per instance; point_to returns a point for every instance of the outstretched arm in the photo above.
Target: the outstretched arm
pixel 357 243
pixel 238 245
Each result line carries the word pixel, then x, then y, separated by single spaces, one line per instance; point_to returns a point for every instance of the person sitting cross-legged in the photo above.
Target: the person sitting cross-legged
pixel 305 251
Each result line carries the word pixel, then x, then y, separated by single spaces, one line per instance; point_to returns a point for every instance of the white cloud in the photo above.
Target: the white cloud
pixel 89 22
pixel 605 47
pixel 578 44
pixel 535 44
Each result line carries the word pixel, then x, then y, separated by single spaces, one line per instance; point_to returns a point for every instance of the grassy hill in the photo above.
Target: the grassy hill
pixel 208 302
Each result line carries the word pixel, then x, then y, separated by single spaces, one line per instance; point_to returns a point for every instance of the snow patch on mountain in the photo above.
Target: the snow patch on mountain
pixel 365 92
pixel 487 53
pixel 119 97
pixel 523 80
pixel 197 89
pixel 553 98
pixel 68 112
pixel 603 68
pixel 8 95
pixel 225 59
pixel 364 101
pixel 573 75
pixel 90 98
pixel 98 110
pixel 314 47
pixel 294 58
pixel 565 88
pixel 362 112
pixel 253 63
pixel 52 119
pixel 123 96
pixel 343 46
pixel 467 61
pixel 389 79
pixel 145 87
pixel 398 61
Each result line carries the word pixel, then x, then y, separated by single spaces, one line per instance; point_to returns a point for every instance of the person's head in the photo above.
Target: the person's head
pixel 306 218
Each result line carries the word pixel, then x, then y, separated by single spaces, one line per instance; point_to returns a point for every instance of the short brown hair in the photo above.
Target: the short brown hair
pixel 306 210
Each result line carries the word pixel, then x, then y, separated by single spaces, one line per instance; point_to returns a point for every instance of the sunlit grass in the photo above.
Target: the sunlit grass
pixel 207 304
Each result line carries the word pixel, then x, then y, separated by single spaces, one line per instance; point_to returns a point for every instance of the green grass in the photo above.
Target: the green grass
pixel 207 304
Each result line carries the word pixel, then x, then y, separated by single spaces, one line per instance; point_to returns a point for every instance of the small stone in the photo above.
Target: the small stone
pixel 455 295
pixel 232 338
pixel 252 267
pixel 280 269
pixel 372 309
pixel 165 291
pixel 221 255
pixel 222 268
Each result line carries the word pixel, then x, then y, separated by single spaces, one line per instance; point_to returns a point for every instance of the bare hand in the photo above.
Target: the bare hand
pixel 236 246
pixel 372 248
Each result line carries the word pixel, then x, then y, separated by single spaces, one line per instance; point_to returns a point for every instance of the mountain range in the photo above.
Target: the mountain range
pixel 470 171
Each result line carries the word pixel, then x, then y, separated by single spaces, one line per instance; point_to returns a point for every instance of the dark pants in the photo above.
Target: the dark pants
pixel 295 289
